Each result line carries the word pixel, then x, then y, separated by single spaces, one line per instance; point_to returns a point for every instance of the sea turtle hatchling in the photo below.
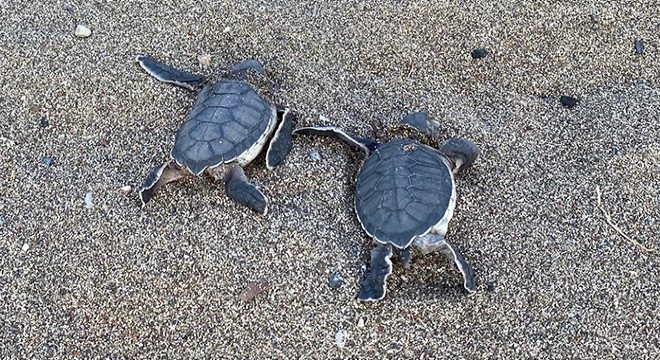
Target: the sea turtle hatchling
pixel 226 129
pixel 405 195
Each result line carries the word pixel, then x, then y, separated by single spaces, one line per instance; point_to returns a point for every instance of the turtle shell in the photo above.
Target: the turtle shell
pixel 403 190
pixel 228 120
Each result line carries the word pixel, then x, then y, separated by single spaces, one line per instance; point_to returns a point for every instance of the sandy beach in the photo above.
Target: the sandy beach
pixel 559 216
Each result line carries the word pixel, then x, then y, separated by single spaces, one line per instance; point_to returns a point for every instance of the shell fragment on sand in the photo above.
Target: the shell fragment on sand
pixel 83 31
pixel 254 289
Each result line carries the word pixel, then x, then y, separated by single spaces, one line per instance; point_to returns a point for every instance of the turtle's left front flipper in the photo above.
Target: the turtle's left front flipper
pixel 282 142
pixel 465 269
pixel 374 286
pixel 243 192
pixel 166 73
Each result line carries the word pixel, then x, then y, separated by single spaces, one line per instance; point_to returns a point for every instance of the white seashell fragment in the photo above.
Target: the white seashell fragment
pixel 88 200
pixel 341 337
pixel 204 60
pixel 125 190
pixel 83 31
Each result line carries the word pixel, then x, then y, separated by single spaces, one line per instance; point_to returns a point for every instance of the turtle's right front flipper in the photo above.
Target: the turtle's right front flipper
pixel 159 176
pixel 169 74
pixel 368 145
pixel 243 192
pixel 374 286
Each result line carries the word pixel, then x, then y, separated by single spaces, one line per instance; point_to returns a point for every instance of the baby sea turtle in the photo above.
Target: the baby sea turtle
pixel 226 129
pixel 405 195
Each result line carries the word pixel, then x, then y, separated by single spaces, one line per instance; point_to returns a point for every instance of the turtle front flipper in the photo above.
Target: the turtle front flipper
pixel 465 269
pixel 168 74
pixel 420 121
pixel 243 66
pixel 281 143
pixel 243 192
pixel 374 286
pixel 159 176
pixel 368 145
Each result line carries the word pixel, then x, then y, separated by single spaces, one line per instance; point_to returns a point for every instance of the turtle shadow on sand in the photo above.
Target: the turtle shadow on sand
pixel 405 195
pixel 228 127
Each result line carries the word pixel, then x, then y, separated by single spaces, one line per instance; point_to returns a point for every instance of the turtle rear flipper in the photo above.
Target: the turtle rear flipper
pixel 159 176
pixel 281 143
pixel 243 192
pixel 465 269
pixel 368 145
pixel 374 286
pixel 166 73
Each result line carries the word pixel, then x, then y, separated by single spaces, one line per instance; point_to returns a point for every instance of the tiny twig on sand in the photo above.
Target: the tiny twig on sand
pixel 609 221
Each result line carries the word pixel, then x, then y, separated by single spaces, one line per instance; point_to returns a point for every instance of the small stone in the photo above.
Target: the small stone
pixel 315 155
pixel 103 142
pixel 83 31
pixel 341 337
pixel 44 121
pixel 360 322
pixel 88 200
pixel 125 190
pixel 639 46
pixel 479 53
pixel 323 118
pixel 25 247
pixel 204 61
pixel 568 101
pixel 47 160
pixel 334 281
pixel 227 29
pixel 490 287
pixel 2 221
pixel 254 288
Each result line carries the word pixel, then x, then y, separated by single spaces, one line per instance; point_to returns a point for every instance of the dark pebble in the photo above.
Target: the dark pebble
pixel 44 121
pixel 614 150
pixel 47 160
pixel 639 47
pixel 479 53
pixel 334 281
pixel 568 101
pixel 490 287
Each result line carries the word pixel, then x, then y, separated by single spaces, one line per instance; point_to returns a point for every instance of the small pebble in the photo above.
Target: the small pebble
pixel 614 150
pixel 315 155
pixel 568 101
pixel 2 221
pixel 103 142
pixel 227 29
pixel 334 281
pixel 26 247
pixel 47 160
pixel 490 287
pixel 341 337
pixel 360 322
pixel 323 118
pixel 125 190
pixel 639 47
pixel 83 31
pixel 204 61
pixel 479 53
pixel 44 121
pixel 88 200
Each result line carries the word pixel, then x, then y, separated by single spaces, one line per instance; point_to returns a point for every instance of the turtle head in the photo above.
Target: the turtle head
pixel 461 153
